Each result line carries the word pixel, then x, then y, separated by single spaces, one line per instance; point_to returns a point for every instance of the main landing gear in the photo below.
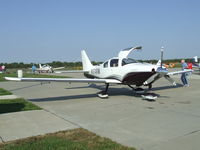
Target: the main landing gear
pixel 138 90
pixel 104 94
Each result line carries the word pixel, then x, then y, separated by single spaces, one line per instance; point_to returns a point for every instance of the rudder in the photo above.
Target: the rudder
pixel 87 65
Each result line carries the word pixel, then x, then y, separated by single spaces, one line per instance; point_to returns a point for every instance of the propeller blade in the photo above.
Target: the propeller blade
pixel 170 80
pixel 161 57
pixel 138 47
pixel 152 79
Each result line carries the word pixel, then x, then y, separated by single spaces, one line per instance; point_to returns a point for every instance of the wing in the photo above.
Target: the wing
pixel 180 72
pixel 70 71
pixel 157 76
pixel 58 68
pixel 64 80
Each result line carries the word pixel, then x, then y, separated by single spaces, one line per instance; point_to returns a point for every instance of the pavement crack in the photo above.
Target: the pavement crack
pixel 2 140
pixel 63 118
pixel 192 132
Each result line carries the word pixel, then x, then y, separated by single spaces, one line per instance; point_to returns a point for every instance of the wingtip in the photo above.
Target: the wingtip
pixel 12 79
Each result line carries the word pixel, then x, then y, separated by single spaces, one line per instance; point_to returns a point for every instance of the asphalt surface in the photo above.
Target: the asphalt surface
pixel 171 122
pixel 24 124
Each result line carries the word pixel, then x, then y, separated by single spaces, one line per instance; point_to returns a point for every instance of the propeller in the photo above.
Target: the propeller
pixel 164 71
pixel 160 72
pixel 138 47
pixel 170 80
pixel 161 57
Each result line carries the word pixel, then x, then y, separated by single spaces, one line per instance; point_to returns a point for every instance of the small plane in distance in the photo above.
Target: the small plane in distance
pixel 117 70
pixel 47 68
pixel 195 63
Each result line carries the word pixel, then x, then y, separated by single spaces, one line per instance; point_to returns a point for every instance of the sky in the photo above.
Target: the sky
pixel 42 31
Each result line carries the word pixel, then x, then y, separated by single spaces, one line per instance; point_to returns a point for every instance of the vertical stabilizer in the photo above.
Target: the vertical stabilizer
pixel 195 59
pixel 40 66
pixel 87 65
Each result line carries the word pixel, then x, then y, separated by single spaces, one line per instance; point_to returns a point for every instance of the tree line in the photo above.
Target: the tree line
pixel 77 65
pixel 54 64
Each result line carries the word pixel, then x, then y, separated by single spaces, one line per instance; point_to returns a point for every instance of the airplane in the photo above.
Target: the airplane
pixel 47 68
pixel 195 63
pixel 117 70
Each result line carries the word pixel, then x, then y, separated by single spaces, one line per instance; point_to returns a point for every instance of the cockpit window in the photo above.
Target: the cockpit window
pixel 114 63
pixel 105 65
pixel 126 61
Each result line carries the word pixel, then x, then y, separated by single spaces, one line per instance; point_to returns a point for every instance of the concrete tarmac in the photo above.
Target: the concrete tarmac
pixel 24 124
pixel 170 122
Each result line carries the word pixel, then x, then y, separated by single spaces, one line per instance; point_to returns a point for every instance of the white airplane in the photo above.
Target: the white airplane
pixel 196 63
pixel 47 68
pixel 117 70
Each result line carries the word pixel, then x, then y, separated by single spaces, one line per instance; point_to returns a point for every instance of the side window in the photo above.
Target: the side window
pixel 105 65
pixel 123 62
pixel 114 63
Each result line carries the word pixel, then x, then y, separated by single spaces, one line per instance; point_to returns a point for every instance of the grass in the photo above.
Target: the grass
pixel 29 75
pixel 4 92
pixel 15 105
pixel 77 139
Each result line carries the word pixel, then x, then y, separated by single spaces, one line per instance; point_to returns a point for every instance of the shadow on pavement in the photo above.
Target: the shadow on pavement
pixel 166 87
pixel 25 87
pixel 113 91
pixel 61 98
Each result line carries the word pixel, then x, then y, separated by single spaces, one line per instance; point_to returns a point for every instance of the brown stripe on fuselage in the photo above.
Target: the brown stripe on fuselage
pixel 137 78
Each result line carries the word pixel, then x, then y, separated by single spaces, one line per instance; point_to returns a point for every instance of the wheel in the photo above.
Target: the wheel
pixel 102 94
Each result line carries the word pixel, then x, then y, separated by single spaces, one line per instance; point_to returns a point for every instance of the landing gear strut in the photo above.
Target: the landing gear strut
pixel 137 90
pixel 149 86
pixel 104 94
pixel 131 87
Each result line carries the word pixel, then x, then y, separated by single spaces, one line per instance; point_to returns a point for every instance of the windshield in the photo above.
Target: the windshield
pixel 126 61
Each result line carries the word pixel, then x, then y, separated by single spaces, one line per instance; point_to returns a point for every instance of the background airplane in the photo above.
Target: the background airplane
pixel 195 63
pixel 47 68
pixel 117 70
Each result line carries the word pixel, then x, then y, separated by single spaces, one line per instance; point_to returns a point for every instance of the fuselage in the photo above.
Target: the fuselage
pixel 126 70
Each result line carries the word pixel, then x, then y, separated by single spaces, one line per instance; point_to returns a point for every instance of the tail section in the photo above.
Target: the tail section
pixel 40 66
pixel 87 65
pixel 195 59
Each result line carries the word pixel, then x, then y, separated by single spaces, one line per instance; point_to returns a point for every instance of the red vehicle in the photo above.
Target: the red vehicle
pixel 189 65
pixel 2 68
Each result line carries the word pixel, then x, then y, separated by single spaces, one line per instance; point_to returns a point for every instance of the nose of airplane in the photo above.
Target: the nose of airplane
pixel 161 70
